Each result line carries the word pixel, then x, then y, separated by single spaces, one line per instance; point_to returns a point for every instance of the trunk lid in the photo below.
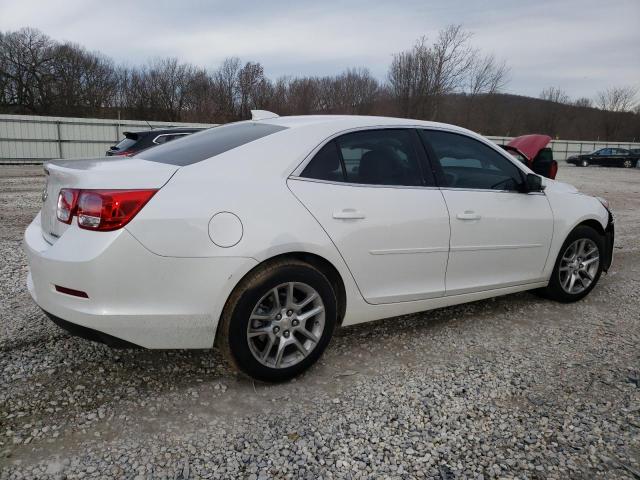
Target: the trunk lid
pixel 97 173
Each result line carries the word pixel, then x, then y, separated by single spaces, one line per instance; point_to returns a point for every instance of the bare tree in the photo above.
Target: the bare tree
pixel 617 99
pixel 486 75
pixel 250 85
pixel 583 102
pixel 555 95
pixel 226 88
pixel 421 77
pixel 27 56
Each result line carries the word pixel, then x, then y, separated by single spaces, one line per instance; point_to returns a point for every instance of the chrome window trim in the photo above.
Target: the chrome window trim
pixel 416 187
pixel 169 134
pixel 369 185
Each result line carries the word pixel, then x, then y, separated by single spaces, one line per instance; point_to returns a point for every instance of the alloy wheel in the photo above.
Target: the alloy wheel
pixel 579 266
pixel 627 164
pixel 286 325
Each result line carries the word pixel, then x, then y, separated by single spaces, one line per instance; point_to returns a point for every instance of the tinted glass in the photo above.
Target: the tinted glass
pixel 208 143
pixel 124 144
pixel 325 165
pixel 467 163
pixel 380 157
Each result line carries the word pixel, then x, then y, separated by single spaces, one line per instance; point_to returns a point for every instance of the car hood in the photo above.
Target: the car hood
pixel 530 145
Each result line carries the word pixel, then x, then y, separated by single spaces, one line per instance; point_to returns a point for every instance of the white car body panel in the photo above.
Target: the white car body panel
pixel 401 234
pixel 162 281
pixel 498 239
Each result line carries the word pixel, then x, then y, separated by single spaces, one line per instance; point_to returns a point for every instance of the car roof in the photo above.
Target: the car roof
pixel 351 121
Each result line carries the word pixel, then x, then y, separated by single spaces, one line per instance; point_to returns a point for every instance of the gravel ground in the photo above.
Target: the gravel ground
pixel 513 387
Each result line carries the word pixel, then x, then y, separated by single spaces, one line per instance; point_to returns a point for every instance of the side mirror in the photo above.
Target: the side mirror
pixel 533 183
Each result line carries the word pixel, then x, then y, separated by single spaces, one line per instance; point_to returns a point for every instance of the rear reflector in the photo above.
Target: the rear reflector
pixel 71 291
pixel 101 210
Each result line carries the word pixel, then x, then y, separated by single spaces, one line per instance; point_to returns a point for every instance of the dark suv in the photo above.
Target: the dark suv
pixel 135 142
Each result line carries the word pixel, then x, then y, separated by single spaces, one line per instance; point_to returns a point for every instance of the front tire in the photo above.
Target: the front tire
pixel 584 163
pixel 578 266
pixel 278 321
pixel 627 164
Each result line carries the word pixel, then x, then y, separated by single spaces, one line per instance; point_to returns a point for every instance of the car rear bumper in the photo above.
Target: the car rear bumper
pixel 133 295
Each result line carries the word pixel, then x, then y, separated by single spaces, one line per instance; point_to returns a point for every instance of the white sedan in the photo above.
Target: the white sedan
pixel 266 235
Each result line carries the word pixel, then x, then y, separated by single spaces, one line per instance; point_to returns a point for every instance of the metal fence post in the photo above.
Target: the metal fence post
pixel 59 129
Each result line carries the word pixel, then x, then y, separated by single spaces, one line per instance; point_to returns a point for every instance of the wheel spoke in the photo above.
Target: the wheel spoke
pixel 586 274
pixel 289 300
pixel 257 332
pixel 267 348
pixel 586 263
pixel 299 346
pixel 310 335
pixel 276 303
pixel 311 313
pixel 262 318
pixel 306 301
pixel 572 282
pixel 281 346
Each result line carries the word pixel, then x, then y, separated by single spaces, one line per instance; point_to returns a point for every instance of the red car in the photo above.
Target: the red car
pixel 532 150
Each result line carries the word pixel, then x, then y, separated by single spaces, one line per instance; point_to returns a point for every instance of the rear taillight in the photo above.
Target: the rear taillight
pixel 553 170
pixel 124 153
pixel 102 210
pixel 67 200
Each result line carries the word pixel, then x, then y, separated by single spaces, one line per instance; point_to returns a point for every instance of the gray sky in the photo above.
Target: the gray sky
pixel 579 45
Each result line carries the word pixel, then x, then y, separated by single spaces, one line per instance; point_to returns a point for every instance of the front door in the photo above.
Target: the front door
pixel 499 236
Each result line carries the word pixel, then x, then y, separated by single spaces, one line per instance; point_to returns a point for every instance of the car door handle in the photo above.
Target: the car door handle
pixel 348 214
pixel 468 215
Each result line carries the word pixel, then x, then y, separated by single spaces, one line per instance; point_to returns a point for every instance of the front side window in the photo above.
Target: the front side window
pixel 464 162
pixel 371 157
pixel 208 143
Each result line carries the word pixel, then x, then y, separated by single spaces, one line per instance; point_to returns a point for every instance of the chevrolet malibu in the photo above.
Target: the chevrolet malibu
pixel 263 236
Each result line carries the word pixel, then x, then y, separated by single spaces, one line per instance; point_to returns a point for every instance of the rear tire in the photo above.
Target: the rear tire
pixel 278 321
pixel 578 266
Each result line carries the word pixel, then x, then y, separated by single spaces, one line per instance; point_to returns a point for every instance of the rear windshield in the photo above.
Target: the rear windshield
pixel 124 144
pixel 214 141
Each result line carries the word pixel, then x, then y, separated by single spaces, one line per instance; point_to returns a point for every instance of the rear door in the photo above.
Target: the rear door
pixel 499 236
pixel 369 191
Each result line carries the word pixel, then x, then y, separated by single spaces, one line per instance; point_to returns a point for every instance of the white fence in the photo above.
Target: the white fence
pixel 34 139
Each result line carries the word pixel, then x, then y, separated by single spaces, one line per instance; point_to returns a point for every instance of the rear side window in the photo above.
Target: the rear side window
pixel 372 157
pixel 467 163
pixel 209 143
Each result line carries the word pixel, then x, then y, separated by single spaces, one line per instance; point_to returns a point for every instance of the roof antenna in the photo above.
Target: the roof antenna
pixel 150 127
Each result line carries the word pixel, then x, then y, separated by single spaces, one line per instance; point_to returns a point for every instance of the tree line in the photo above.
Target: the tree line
pixel 445 79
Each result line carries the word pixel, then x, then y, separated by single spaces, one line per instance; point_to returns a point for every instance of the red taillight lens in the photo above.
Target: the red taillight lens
pixel 101 210
pixel 66 204
pixel 106 210
pixel 553 170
